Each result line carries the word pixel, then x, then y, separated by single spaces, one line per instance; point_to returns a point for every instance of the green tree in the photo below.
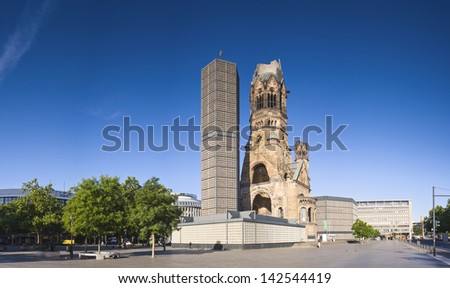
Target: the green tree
pixel 129 190
pixel 358 229
pixel 417 230
pixel 442 219
pixel 374 232
pixel 96 209
pixel 363 230
pixel 445 220
pixel 155 213
pixel 427 223
pixel 39 211
pixel 15 220
pixel 5 223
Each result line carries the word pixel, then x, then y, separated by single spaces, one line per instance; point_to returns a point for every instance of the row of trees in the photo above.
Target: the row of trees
pixel 98 208
pixel 442 219
pixel 363 230
pixel 38 212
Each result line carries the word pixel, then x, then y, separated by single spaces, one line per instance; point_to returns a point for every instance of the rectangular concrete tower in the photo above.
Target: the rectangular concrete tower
pixel 220 137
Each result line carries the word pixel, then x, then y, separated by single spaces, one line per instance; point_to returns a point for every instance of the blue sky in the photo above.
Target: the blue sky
pixel 70 68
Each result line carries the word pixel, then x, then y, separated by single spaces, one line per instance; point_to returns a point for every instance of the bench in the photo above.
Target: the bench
pixel 47 254
pixel 99 256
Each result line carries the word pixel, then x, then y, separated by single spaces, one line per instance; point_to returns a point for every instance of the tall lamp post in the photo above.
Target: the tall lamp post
pixel 71 237
pixel 434 216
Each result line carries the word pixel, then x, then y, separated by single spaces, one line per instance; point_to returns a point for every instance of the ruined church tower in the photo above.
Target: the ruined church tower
pixel 271 182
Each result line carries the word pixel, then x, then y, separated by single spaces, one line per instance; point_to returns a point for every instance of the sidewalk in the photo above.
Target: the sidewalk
pixel 379 254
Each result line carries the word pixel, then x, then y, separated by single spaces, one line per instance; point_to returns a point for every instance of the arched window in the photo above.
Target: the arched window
pixel 281 101
pixel 309 215
pixel 272 101
pixel 280 212
pixel 303 215
pixel 260 174
pixel 259 101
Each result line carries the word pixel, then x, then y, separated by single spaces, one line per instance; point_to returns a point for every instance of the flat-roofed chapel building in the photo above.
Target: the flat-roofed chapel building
pixel 335 217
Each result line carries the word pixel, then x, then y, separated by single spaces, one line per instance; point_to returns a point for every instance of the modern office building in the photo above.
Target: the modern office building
pixel 335 217
pixel 393 218
pixel 189 204
pixel 9 195
pixel 220 137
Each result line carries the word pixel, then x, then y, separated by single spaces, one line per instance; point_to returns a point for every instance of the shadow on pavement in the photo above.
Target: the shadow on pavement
pixel 426 259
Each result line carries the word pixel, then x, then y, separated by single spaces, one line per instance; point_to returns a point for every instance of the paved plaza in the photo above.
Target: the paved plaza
pixel 376 254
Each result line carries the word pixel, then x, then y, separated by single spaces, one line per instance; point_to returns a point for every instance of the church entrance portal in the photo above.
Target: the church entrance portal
pixel 262 204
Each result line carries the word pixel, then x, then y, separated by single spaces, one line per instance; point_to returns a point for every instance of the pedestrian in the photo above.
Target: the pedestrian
pixel 190 245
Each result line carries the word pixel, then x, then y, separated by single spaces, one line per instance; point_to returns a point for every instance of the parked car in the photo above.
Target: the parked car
pixel 112 240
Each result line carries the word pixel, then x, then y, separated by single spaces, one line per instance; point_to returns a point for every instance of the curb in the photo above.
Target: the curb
pixel 437 257
pixel 442 259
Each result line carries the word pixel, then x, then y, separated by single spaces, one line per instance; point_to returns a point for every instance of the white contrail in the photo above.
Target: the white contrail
pixel 22 38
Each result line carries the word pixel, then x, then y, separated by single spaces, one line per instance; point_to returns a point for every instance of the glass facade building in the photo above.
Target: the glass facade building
pixel 9 195
pixel 188 204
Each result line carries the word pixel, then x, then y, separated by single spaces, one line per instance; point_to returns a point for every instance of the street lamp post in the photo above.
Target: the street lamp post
pixel 434 216
pixel 71 237
pixel 434 226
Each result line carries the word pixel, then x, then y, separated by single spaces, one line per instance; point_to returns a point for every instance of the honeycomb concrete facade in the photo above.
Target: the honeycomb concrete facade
pixel 238 230
pixel 271 182
pixel 335 217
pixel 220 137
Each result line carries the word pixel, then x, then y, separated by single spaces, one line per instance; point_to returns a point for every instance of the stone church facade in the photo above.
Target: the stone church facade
pixel 271 182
